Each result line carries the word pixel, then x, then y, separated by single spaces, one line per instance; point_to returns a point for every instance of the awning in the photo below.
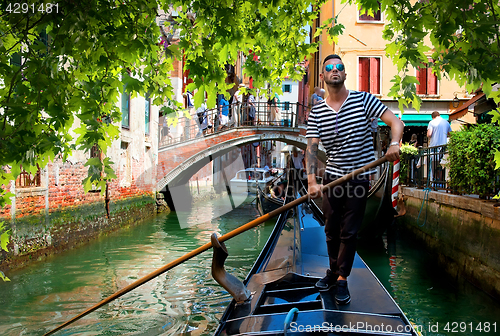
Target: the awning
pixel 416 119
pixel 462 110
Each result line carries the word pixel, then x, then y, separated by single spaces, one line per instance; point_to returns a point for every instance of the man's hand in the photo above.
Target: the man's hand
pixel 392 153
pixel 314 190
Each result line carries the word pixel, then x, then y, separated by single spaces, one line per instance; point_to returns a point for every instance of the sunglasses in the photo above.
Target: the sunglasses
pixel 329 67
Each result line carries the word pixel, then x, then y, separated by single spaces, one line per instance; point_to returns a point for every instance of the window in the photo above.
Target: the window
pixel 369 74
pixel 377 15
pixel 147 114
pixel 287 88
pixel 428 81
pixel 126 173
pixel 125 107
pixel 27 180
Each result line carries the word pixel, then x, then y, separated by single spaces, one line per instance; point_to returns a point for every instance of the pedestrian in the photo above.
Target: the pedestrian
pixel 274 112
pixel 270 103
pixel 438 131
pixel 298 165
pixel 166 131
pixel 297 159
pixel 251 109
pixel 321 95
pixel 278 191
pixel 223 111
pixel 189 99
pixel 315 97
pixel 237 104
pixel 413 140
pixel 342 123
pixel 201 113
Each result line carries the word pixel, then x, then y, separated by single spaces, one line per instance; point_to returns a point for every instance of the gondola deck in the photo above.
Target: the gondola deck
pixel 283 278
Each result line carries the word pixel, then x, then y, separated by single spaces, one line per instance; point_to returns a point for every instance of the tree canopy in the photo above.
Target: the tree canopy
pixel 76 59
pixel 71 61
pixel 59 63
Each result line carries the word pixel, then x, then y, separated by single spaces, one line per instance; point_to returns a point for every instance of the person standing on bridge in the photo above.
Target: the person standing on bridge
pixel 223 111
pixel 342 123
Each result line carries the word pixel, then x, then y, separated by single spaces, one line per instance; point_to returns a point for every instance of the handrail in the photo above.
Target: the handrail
pixel 281 115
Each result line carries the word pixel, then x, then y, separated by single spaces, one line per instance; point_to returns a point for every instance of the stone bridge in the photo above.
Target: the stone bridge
pixel 178 162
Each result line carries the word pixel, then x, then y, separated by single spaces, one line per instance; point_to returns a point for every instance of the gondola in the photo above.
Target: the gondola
pixel 281 297
pixel 267 203
pixel 379 212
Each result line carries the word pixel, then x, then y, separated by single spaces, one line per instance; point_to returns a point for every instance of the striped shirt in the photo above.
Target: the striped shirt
pixel 346 135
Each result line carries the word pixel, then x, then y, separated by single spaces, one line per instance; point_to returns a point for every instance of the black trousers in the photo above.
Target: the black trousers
pixel 344 209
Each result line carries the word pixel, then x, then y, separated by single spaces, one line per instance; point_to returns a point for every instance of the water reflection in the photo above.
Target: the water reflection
pixel 184 300
pixel 421 287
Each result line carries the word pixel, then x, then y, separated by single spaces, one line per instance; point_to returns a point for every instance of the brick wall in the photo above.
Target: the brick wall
pixel 59 215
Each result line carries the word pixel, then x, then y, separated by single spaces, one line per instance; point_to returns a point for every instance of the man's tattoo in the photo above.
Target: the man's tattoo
pixel 312 158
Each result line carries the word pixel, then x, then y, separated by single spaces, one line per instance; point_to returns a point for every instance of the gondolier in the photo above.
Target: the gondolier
pixel 342 123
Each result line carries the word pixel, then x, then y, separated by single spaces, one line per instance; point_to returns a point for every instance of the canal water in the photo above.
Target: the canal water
pixel 187 301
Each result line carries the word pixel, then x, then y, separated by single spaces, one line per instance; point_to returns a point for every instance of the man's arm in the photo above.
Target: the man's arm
pixel 397 127
pixel 429 132
pixel 312 166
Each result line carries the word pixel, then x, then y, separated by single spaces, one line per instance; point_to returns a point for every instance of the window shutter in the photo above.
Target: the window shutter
pixel 422 78
pixel 431 82
pixel 375 75
pixel 364 74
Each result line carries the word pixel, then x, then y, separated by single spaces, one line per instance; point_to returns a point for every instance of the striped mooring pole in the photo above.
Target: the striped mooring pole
pixel 395 183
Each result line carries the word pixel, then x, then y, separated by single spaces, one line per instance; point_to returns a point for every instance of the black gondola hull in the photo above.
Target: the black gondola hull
pixel 283 278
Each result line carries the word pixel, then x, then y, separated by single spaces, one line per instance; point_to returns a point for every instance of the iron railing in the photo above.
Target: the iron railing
pixel 428 169
pixel 283 115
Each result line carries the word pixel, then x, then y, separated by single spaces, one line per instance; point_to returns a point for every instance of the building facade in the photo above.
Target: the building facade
pixel 51 211
pixel 362 49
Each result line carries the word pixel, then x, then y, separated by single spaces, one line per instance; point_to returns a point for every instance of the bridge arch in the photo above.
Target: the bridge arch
pixel 182 172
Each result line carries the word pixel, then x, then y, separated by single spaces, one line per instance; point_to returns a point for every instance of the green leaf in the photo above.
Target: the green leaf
pixel 497 159
pixel 199 96
pixel 495 116
pixel 4 239
pixel 3 277
pixel 15 170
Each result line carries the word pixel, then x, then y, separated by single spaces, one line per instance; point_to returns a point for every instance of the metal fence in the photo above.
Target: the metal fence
pixel 428 169
pixel 280 115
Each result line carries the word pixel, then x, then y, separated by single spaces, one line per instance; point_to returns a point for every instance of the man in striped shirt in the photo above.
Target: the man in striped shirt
pixel 342 123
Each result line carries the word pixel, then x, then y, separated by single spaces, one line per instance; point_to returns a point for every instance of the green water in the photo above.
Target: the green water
pixel 431 299
pixel 186 300
pixel 183 300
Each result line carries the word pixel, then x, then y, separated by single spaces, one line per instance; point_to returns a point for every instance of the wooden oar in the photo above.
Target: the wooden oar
pixel 223 238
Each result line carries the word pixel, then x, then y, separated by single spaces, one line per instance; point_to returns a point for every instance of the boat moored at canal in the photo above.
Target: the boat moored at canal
pixel 246 180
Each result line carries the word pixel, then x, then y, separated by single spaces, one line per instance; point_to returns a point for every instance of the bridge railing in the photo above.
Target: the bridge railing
pixel 280 115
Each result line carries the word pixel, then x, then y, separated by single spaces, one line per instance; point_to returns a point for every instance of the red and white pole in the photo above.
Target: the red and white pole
pixel 395 183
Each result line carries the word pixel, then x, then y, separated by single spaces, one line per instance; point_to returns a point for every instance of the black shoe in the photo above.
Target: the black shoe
pixel 329 281
pixel 342 297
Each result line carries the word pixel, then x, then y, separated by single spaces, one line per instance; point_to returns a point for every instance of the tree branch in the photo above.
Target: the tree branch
pixel 496 25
